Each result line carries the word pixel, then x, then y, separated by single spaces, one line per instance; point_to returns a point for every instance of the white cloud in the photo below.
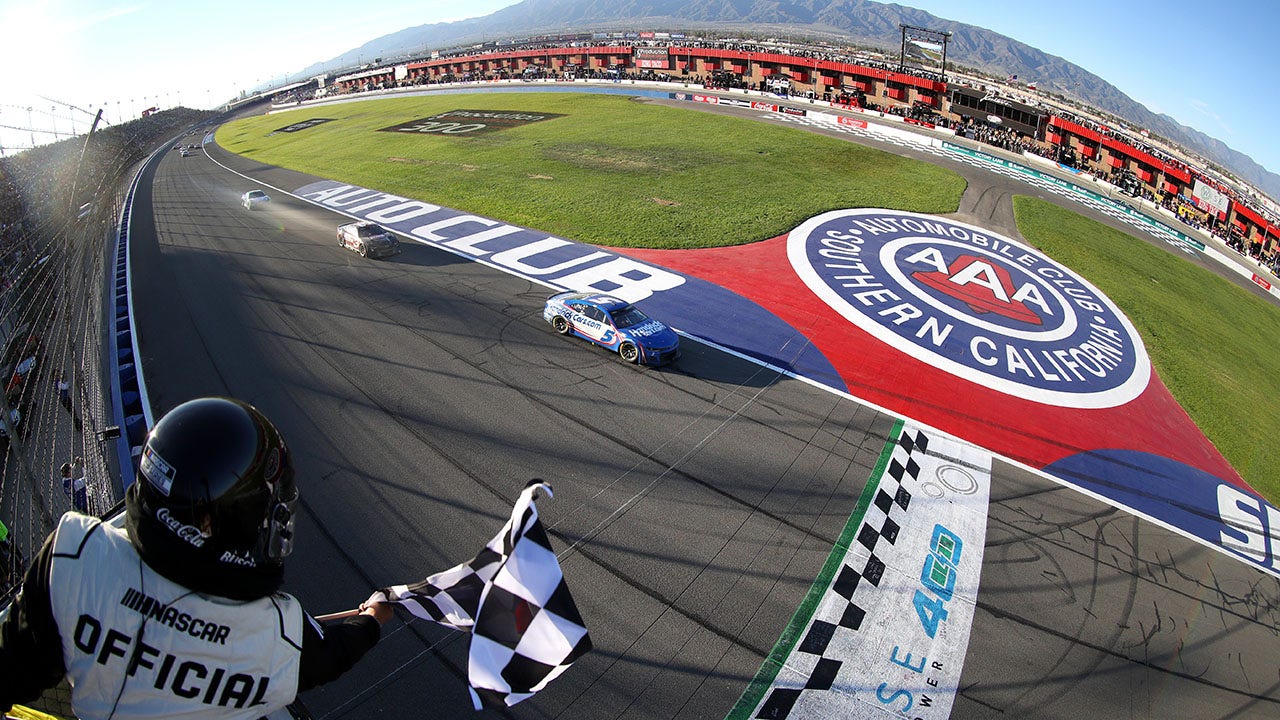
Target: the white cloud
pixel 1207 110
pixel 1152 105
pixel 79 22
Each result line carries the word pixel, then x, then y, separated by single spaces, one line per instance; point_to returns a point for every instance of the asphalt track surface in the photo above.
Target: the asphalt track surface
pixel 694 505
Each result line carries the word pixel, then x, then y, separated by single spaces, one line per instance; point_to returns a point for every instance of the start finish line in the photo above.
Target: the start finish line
pixel 884 630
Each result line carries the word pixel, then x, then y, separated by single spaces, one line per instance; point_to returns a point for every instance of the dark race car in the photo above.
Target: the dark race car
pixel 368 239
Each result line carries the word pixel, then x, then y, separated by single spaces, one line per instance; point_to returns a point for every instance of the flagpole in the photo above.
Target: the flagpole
pixel 338 615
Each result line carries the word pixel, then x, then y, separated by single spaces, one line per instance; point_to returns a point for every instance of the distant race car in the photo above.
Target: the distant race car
pixel 614 324
pixel 368 239
pixel 254 198
pixel 15 420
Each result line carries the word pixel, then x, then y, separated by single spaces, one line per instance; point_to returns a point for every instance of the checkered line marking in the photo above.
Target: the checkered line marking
pixel 839 612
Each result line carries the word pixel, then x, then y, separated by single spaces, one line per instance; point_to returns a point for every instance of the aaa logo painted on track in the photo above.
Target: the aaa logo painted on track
pixel 974 303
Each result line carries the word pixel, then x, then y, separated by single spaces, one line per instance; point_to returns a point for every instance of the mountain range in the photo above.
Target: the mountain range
pixel 860 22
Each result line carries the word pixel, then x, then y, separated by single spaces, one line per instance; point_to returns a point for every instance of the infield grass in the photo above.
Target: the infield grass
pixel 1213 343
pixel 612 171
pixel 620 172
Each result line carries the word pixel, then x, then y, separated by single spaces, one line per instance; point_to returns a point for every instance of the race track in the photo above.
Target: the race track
pixel 694 505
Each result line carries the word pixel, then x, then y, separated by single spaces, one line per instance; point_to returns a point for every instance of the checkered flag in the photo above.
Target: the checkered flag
pixel 512 598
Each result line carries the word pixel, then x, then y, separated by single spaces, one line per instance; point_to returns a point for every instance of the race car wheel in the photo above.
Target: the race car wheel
pixel 363 250
pixel 560 325
pixel 629 352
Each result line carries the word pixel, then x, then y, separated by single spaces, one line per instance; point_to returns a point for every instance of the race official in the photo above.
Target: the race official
pixel 179 614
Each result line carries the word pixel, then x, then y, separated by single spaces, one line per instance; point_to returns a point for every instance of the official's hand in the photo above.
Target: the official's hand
pixel 382 612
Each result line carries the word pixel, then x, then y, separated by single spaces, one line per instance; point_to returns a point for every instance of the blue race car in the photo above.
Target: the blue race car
pixel 611 323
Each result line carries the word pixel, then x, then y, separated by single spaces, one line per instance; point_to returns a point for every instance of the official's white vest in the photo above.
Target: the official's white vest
pixel 144 647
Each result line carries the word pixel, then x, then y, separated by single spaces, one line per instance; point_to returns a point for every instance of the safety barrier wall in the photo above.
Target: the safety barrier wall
pixel 126 390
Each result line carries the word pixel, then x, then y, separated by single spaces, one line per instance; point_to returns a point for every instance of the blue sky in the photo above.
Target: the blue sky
pixel 127 55
pixel 1212 66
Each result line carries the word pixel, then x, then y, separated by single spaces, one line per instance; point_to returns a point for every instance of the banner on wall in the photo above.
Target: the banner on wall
pixel 1208 198
pixel 649 58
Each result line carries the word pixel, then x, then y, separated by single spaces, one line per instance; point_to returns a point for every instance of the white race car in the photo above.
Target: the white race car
pixel 253 199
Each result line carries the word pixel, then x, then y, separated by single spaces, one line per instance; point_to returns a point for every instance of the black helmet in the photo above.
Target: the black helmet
pixel 212 507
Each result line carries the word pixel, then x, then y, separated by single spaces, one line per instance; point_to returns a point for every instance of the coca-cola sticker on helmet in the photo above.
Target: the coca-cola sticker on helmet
pixel 974 303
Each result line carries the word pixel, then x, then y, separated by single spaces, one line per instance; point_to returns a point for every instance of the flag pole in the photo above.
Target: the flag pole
pixel 338 615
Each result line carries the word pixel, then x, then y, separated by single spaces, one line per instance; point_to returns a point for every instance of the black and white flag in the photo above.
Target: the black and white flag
pixel 512 598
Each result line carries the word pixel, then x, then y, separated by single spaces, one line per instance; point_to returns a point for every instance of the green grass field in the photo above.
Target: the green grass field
pixel 1213 344
pixel 612 171
pixel 615 171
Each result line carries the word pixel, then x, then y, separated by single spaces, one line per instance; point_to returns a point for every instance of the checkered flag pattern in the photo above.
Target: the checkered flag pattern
pixel 525 627
pixel 839 616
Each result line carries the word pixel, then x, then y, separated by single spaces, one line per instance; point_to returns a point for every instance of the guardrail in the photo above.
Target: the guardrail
pixel 132 410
